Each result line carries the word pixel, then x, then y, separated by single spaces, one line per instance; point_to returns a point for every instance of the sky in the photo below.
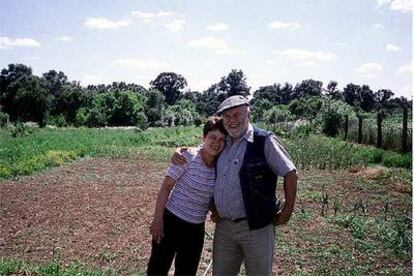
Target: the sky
pixel 101 41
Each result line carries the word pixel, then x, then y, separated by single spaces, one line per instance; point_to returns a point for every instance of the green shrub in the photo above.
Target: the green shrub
pixel 370 155
pixel 392 159
pixel 21 130
pixel 58 120
pixel 4 119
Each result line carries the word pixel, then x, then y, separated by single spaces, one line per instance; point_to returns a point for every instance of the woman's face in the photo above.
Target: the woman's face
pixel 214 142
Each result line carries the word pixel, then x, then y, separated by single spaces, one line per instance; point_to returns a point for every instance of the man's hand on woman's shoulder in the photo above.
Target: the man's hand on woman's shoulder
pixel 178 159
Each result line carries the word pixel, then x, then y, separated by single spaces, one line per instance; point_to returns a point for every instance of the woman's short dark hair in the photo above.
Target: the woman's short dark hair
pixel 214 123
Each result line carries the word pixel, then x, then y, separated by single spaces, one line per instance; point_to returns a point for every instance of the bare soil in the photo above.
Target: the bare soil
pixel 98 211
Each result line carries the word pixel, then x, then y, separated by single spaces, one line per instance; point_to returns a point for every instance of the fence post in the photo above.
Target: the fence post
pixel 404 136
pixel 346 127
pixel 379 130
pixel 360 128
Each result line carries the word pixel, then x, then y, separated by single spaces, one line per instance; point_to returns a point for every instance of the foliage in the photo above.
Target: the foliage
pixel 331 115
pixel 308 88
pixel 58 120
pixel 278 114
pixel 234 84
pixel 4 119
pixel 44 148
pixel 170 84
pixel 307 107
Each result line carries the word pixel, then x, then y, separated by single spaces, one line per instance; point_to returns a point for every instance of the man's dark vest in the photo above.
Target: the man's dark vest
pixel 258 183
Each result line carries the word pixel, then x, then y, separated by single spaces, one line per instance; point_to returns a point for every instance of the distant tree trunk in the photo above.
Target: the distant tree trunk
pixel 404 136
pixel 346 126
pixel 360 129
pixel 379 130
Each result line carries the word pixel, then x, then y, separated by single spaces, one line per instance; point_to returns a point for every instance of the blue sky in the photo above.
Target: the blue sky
pixel 358 41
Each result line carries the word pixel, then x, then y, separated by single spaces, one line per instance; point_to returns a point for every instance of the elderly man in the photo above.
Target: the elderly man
pixel 245 193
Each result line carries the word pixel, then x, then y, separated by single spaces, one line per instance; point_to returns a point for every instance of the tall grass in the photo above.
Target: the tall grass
pixel 51 147
pixel 43 148
pixel 310 151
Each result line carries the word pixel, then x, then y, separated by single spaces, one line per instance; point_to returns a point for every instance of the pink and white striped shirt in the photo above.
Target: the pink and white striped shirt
pixel 192 194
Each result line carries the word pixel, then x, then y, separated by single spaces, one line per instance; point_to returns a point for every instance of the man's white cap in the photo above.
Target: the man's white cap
pixel 233 101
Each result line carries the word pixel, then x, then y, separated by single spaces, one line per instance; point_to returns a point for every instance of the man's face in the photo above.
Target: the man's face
pixel 236 120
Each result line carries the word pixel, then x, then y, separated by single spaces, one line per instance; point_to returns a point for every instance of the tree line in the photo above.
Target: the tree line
pixel 53 99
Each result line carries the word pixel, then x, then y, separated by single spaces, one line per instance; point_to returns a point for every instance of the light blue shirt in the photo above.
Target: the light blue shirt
pixel 227 192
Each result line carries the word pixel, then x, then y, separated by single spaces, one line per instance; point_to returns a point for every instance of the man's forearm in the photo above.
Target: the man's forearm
pixel 290 188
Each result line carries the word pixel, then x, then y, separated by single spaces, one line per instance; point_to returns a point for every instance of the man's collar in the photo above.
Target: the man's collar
pixel 249 133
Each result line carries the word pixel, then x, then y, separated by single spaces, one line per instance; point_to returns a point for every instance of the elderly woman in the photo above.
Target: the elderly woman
pixel 182 205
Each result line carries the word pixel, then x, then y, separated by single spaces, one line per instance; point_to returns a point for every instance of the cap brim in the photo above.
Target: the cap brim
pixel 221 110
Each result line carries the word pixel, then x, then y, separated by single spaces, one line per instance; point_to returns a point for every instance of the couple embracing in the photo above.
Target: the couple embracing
pixel 233 175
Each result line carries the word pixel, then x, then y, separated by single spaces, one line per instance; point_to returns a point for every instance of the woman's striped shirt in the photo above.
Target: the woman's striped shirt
pixel 192 194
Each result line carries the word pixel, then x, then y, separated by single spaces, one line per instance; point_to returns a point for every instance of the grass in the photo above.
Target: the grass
pixel 18 267
pixel 43 148
pixel 35 149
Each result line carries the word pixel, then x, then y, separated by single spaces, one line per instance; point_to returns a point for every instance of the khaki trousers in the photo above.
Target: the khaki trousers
pixel 234 243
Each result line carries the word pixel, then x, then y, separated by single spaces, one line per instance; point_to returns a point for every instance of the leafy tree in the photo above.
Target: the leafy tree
pixel 11 80
pixel 307 107
pixel 275 94
pixel 170 84
pixel 332 114
pixel 54 81
pixel 155 107
pixel 308 88
pixel 277 114
pixel 234 84
pixel 333 92
pixel 382 99
pixel 259 107
pixel 210 100
pixel 69 101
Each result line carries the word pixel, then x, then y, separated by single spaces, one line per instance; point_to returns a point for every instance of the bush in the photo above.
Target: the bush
pixel 4 119
pixel 392 159
pixel 58 120
pixel 81 117
pixel 140 120
pixel 371 155
pixel 278 114
pixel 21 130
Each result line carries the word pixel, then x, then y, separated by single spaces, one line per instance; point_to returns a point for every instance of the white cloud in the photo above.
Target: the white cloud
pixel 378 26
pixel 369 69
pixel 175 25
pixel 392 48
pixel 209 42
pixel 284 25
pixel 217 27
pixel 405 69
pixel 401 5
pixel 147 16
pixel 142 64
pixel 103 23
pixel 305 57
pixel 230 52
pixel 396 5
pixel 340 45
pixel 32 58
pixel 220 46
pixel 382 2
pixel 6 42
pixel 64 38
